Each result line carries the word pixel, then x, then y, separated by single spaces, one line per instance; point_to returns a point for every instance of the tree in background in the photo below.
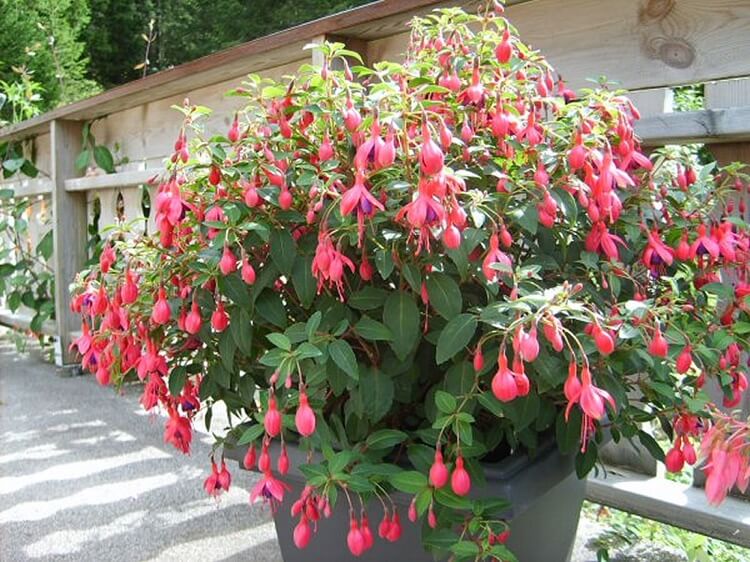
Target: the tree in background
pixel 185 30
pixel 44 39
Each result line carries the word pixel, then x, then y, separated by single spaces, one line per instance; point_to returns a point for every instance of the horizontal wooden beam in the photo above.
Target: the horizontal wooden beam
pixel 707 126
pixel 680 505
pixel 20 320
pixel 111 181
pixel 26 187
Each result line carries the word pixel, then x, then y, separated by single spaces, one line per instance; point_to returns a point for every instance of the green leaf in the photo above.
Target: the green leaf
pixel 412 275
pixel 409 481
pixel 586 461
pixel 103 159
pixel 376 390
pixel 343 355
pixel 219 375
pixel 82 160
pixel 280 341
pixel 372 330
pixel 445 402
pixel 446 497
pixel 465 549
pixel 283 250
pixel 455 336
pixel 242 331
pixel 251 434
pixel 307 350
pixel 651 445
pixel 227 347
pixel 385 439
pixel 271 308
pixel 367 298
pixel 44 248
pixel 445 296
pixel 234 288
pixel 304 283
pixel 401 316
pixel 177 380
pixel 384 262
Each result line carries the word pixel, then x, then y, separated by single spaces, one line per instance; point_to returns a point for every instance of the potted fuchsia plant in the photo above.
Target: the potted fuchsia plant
pixel 429 290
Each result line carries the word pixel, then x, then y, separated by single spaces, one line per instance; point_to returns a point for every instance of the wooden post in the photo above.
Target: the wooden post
pixel 719 95
pixel 69 227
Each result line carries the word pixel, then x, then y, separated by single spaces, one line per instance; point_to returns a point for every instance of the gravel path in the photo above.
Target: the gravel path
pixel 85 476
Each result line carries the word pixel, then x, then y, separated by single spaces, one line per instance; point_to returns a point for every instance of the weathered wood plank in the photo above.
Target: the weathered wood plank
pixel 707 126
pixel 111 181
pixel 69 228
pixel 676 504
pixel 28 187
pixel 21 320
pixel 653 102
pixel 639 43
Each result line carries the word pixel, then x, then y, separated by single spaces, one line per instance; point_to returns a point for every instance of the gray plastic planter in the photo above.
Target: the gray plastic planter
pixel 545 494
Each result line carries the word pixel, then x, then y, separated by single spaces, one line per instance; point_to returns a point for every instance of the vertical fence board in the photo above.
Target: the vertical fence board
pixel 69 230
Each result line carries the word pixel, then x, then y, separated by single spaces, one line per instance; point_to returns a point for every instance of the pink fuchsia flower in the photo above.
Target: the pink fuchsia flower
pixel 329 264
pixel 657 253
pixel 218 481
pixel 601 241
pixel 431 157
pixel 269 490
pixel 178 431
pixel 496 256
pixel 359 198
pixel 704 245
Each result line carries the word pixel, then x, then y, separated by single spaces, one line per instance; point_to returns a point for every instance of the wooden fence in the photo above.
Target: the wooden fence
pixel 648 46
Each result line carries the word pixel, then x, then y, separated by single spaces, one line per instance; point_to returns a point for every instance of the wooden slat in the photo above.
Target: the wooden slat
pixel 640 44
pixel 727 93
pixel 27 187
pixel 707 126
pixel 675 504
pixel 21 320
pixel 111 181
pixel 653 102
pixel 69 228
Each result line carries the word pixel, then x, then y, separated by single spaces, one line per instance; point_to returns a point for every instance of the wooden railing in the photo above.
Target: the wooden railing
pixel 648 45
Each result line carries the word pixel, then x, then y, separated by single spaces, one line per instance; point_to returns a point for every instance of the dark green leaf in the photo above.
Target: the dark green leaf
pixel 242 331
pixel 445 296
pixel 409 481
pixel 455 336
pixel 270 308
pixel 376 390
pixel 304 283
pixel 283 250
pixel 227 347
pixel 385 439
pixel 82 160
pixel 367 298
pixel 44 248
pixel 343 355
pixel 280 341
pixel 251 434
pixel 177 380
pixel 401 316
pixel 372 329
pixel 445 402
pixel 103 159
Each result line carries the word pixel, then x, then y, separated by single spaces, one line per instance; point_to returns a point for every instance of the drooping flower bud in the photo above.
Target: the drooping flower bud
pixel 304 419
pixel 438 471
pixel 228 262
pixel 193 320
pixel 272 419
pixel 460 479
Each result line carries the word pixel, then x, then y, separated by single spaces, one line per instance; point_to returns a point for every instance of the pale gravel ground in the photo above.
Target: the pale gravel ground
pixel 85 476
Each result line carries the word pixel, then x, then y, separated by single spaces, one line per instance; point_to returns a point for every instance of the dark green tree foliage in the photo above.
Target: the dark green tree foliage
pixel 45 37
pixel 186 30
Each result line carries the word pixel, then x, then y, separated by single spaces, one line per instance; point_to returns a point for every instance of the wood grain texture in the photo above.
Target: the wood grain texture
pixel 676 504
pixel 707 126
pixel 69 231
pixel 640 43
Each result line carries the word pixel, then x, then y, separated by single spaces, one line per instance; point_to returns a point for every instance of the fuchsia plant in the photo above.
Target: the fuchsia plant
pixel 443 259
